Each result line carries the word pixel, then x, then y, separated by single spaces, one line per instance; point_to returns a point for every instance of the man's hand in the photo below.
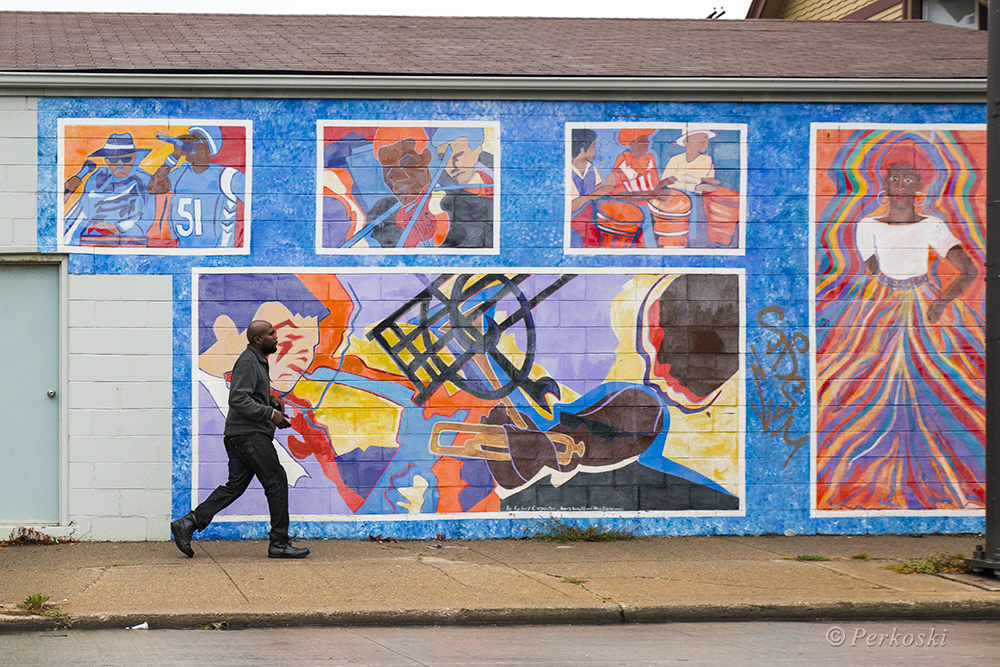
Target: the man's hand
pixel 279 419
pixel 277 404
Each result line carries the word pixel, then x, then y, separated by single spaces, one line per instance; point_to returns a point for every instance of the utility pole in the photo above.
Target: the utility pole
pixel 987 557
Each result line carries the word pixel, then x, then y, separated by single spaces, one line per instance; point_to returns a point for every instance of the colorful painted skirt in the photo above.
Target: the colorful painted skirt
pixel 901 419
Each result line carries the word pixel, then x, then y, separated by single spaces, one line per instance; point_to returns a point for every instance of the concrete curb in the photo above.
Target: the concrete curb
pixel 609 614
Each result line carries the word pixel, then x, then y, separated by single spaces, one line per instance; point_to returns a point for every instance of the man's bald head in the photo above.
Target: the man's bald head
pixel 261 335
pixel 257 328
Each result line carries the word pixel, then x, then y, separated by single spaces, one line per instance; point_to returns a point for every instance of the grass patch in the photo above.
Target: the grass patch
pixel 574 580
pixel 808 557
pixel 860 556
pixel 933 564
pixel 555 530
pixel 38 605
pixel 35 603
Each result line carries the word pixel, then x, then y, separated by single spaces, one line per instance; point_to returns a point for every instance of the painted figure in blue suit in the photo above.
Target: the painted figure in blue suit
pixel 115 207
pixel 203 207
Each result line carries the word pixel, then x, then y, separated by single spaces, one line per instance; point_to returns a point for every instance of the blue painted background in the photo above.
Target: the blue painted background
pixel 531 235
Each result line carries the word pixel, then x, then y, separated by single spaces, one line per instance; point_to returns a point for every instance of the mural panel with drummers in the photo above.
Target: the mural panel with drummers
pixel 450 392
pixel 655 188
pixel 154 186
pixel 405 187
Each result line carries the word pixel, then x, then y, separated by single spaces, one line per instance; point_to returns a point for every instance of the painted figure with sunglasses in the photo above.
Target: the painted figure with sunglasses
pixel 115 207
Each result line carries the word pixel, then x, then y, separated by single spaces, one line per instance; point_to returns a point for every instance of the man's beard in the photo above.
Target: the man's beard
pixel 270 349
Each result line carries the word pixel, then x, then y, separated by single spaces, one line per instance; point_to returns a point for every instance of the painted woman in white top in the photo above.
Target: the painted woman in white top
pixel 899 361
pixel 895 246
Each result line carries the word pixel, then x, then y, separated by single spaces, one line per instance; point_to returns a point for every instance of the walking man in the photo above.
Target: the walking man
pixel 250 424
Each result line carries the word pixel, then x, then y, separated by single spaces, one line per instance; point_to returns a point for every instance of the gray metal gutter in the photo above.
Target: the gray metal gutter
pixel 737 89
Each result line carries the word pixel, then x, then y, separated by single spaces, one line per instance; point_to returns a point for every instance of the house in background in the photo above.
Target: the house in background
pixel 962 13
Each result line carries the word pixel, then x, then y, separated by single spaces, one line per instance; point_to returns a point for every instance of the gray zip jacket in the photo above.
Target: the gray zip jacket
pixel 249 396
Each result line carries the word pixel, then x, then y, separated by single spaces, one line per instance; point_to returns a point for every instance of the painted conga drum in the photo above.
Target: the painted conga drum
pixel 671 218
pixel 722 213
pixel 618 222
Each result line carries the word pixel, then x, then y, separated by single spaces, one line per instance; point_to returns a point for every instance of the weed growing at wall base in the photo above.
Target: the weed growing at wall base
pixel 38 605
pixel 34 602
pixel 555 530
pixel 22 535
pixel 933 564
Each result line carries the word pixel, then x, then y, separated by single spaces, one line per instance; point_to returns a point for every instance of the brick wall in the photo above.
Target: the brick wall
pixel 120 416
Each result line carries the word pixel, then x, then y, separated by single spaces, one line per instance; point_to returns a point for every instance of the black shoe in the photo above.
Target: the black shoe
pixel 182 530
pixel 286 550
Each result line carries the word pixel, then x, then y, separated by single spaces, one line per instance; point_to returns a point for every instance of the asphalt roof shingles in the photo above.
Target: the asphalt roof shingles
pixel 385 45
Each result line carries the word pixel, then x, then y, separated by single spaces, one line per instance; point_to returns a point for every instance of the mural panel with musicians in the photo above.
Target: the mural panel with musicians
pixel 473 393
pixel 400 187
pixel 667 188
pixel 155 186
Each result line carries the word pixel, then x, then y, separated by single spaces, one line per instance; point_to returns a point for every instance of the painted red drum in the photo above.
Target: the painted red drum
pixel 619 223
pixel 722 213
pixel 671 218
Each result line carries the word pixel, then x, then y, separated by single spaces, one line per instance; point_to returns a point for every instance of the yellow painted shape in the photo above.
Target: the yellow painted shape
pixel 708 441
pixel 629 366
pixel 354 418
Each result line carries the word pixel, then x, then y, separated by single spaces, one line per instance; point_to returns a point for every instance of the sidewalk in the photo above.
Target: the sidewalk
pixel 117 585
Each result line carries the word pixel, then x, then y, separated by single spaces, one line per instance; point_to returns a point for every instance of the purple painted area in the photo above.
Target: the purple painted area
pixel 480 483
pixel 563 350
pixel 313 494
pixel 361 469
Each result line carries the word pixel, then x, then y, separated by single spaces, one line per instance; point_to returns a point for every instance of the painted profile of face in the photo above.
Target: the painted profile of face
pixel 298 337
pixel 462 164
pixel 293 353
pixel 404 170
pixel 120 165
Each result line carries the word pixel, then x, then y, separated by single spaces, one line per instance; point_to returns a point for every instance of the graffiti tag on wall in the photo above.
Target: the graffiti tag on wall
pixel 781 363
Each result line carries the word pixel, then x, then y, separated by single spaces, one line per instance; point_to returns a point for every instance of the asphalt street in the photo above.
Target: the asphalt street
pixel 834 644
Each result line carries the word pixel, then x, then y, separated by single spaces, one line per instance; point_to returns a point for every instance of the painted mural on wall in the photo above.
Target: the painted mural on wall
pixel 899 313
pixel 154 186
pixel 398 187
pixel 664 188
pixel 443 393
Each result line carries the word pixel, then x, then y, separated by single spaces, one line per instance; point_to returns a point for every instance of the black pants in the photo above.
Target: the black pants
pixel 249 455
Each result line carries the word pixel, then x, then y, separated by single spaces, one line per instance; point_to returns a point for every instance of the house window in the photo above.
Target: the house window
pixel 962 13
